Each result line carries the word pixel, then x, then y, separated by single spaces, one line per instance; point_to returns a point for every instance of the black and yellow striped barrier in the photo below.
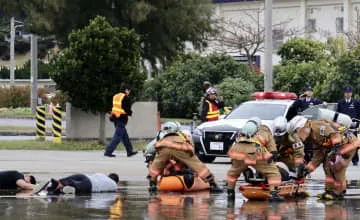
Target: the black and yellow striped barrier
pixel 40 123
pixel 56 126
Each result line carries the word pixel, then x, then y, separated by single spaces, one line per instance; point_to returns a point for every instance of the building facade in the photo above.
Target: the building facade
pixel 316 19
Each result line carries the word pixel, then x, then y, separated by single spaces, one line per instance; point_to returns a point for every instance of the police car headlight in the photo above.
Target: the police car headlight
pixel 197 132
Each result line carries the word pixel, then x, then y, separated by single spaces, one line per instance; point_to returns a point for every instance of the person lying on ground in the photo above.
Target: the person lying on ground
pixel 80 184
pixel 12 180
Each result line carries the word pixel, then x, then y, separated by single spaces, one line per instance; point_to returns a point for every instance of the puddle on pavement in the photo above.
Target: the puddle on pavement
pixel 134 202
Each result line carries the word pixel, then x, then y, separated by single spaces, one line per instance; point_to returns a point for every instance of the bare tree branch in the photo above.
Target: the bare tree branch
pixel 247 38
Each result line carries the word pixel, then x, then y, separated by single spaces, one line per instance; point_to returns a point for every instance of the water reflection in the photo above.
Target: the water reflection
pixel 134 202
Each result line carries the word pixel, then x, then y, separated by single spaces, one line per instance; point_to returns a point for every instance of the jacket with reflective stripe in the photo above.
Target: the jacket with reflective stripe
pixel 213 111
pixel 179 142
pixel 250 149
pixel 117 109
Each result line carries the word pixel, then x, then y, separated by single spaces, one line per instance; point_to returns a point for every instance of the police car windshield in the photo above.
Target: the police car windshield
pixel 262 110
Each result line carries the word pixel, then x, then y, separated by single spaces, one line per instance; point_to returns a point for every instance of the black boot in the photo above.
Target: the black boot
pixel 274 197
pixel 152 186
pixel 214 187
pixel 231 195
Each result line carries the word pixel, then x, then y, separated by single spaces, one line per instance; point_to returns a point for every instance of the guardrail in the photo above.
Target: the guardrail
pixel 42 83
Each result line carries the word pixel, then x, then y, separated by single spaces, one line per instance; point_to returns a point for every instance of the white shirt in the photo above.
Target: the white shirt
pixel 102 183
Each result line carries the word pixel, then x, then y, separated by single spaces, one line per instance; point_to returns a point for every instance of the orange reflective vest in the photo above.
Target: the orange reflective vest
pixel 213 112
pixel 117 109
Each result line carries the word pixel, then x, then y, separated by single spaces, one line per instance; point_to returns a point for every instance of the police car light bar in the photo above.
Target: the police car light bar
pixel 274 95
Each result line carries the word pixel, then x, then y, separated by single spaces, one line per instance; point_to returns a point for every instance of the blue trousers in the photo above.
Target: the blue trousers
pixel 119 135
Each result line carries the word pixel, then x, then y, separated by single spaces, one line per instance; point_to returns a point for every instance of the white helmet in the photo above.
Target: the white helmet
pixel 211 90
pixel 170 127
pixel 279 126
pixel 295 123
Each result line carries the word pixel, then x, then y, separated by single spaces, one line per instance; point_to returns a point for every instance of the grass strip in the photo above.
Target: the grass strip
pixel 138 145
pixel 16 128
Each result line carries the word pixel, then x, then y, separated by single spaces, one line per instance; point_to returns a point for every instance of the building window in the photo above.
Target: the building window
pixel 311 26
pixel 278 38
pixel 339 25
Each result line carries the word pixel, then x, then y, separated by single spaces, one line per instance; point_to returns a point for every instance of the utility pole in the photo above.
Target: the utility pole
pixel 34 72
pixel 268 77
pixel 12 51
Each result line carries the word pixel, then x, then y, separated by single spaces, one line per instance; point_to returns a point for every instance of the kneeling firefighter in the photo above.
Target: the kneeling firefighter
pixel 333 146
pixel 177 146
pixel 290 153
pixel 254 146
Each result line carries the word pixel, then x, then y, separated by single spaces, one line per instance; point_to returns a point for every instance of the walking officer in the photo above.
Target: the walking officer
pixel 177 146
pixel 120 113
pixel 254 147
pixel 350 107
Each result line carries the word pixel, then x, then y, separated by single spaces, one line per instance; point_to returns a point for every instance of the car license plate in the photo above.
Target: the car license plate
pixel 216 146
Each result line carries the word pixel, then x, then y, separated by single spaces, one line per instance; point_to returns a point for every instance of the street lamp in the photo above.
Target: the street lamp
pixel 12 48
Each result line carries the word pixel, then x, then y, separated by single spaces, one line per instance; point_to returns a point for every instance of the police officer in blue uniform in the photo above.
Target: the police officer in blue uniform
pixel 350 107
pixel 306 100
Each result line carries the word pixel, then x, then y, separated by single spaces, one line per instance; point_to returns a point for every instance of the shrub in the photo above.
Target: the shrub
pixel 235 91
pixel 19 96
pixel 179 89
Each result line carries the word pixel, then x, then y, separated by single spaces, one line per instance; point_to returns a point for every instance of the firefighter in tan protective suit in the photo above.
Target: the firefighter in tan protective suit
pixel 333 146
pixel 177 146
pixel 254 147
pixel 290 153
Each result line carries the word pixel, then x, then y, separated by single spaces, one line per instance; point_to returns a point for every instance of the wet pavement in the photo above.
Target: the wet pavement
pixel 134 202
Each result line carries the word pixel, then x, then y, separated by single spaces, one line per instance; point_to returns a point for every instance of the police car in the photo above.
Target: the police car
pixel 213 139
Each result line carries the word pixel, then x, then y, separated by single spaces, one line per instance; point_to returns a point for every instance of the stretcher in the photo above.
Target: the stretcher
pixel 261 191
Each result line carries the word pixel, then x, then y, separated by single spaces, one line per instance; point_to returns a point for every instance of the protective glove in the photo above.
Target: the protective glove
pixel 302 171
pixel 335 148
pixel 149 157
pixel 273 157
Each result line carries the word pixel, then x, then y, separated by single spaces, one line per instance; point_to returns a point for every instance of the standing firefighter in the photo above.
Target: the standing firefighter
pixel 254 147
pixel 211 106
pixel 333 146
pixel 290 153
pixel 177 146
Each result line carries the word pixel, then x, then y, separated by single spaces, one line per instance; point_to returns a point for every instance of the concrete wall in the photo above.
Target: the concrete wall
pixel 82 125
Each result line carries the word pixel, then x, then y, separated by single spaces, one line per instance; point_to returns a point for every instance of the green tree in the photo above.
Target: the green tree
pixel 235 90
pixel 179 88
pixel 163 25
pixel 293 77
pixel 298 50
pixel 348 73
pixel 98 60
